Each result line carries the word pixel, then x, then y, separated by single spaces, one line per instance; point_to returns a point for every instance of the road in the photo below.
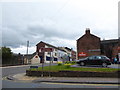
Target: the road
pixel 21 69
pixel 11 70
pixel 11 84
pixel 99 66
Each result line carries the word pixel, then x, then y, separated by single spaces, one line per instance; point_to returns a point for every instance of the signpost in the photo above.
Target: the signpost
pixel 118 54
pixel 46 50
pixel 34 67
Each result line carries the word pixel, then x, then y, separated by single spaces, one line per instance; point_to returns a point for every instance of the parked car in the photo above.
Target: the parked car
pixel 95 60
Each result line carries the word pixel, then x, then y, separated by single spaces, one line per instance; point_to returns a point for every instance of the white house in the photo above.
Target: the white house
pixel 62 56
pixel 35 59
pixel 56 55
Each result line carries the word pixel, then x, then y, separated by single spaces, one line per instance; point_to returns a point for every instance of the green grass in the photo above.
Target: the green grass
pixel 64 68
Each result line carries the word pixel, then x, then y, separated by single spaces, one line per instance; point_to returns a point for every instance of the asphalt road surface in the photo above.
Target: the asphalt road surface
pixel 11 70
pixel 12 84
pixel 98 66
pixel 21 69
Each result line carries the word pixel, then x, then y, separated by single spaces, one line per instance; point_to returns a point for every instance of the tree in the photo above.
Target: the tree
pixel 6 55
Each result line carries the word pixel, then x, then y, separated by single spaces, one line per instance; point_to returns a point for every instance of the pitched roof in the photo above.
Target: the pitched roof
pixel 47 44
pixel 51 46
pixel 110 41
pixel 86 34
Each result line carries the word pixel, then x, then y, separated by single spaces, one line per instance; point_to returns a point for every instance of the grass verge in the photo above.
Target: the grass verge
pixel 65 68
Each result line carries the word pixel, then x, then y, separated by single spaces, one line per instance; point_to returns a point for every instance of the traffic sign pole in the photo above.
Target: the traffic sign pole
pixel 42 49
pixel 42 67
pixel 50 65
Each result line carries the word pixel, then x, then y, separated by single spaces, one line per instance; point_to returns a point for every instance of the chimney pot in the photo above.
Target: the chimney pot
pixel 87 30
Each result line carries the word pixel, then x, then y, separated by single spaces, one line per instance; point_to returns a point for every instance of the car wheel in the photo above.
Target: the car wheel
pixel 104 64
pixel 82 64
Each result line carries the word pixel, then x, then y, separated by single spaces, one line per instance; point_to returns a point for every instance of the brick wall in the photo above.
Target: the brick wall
pixel 40 54
pixel 89 44
pixel 110 48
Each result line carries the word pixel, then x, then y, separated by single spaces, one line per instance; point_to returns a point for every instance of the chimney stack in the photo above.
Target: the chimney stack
pixel 87 31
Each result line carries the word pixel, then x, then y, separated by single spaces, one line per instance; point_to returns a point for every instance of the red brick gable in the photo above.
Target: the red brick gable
pixel 90 35
pixel 89 44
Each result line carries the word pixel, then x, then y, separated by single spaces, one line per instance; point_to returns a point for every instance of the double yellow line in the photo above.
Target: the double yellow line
pixel 83 84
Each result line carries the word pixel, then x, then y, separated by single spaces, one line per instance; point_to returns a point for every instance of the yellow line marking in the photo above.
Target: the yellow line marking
pixel 84 84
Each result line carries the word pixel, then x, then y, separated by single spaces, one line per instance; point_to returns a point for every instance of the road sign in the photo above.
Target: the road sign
pixel 82 54
pixel 46 49
pixel 33 66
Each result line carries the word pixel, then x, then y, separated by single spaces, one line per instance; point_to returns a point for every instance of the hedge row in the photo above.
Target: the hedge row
pixel 73 74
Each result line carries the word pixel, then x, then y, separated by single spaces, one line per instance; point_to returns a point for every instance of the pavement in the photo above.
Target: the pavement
pixel 84 80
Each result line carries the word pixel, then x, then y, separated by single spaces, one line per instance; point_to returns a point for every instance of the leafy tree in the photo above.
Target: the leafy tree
pixel 6 55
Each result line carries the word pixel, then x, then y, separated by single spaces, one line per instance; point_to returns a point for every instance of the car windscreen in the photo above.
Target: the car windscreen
pixel 104 57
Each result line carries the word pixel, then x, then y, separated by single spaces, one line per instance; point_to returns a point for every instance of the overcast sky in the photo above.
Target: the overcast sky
pixel 57 22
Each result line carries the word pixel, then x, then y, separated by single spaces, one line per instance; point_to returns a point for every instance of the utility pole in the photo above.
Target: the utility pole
pixel 27 52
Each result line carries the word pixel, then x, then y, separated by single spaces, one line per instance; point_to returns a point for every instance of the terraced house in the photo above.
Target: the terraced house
pixel 58 54
pixel 90 44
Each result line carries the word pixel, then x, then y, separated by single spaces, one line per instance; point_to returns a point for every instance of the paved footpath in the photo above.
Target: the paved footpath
pixel 97 80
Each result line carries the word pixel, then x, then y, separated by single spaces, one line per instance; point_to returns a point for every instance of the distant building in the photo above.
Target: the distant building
pixel 62 55
pixel 71 53
pixel 58 54
pixel 33 58
pixel 88 45
pixel 110 48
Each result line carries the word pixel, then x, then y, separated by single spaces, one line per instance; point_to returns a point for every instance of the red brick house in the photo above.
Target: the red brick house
pixel 88 45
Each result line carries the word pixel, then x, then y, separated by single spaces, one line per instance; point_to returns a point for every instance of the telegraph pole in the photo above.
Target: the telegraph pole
pixel 27 52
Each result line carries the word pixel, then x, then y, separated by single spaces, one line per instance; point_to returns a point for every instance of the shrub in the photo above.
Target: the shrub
pixel 73 62
pixel 67 62
pixel 70 62
pixel 59 63
pixel 67 65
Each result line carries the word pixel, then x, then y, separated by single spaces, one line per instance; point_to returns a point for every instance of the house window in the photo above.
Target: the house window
pixel 36 56
pixel 48 58
pixel 55 54
pixel 55 49
pixel 55 59
pixel 48 53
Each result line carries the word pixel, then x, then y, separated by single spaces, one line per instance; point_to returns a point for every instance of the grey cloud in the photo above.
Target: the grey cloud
pixel 11 37
pixel 50 32
pixel 14 36
pixel 66 24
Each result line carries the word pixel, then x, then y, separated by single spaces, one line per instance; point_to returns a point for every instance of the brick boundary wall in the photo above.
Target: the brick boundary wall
pixel 74 74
